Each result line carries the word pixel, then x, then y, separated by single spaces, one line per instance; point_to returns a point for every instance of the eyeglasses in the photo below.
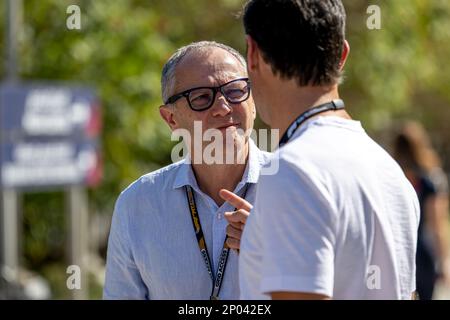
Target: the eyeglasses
pixel 202 98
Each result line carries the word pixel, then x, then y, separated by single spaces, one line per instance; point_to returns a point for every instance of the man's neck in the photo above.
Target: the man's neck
pixel 287 101
pixel 213 177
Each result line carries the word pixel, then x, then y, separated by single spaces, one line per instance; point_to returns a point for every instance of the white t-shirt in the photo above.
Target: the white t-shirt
pixel 339 218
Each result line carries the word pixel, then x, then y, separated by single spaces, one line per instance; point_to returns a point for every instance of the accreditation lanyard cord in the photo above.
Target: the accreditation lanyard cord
pixel 217 280
pixel 337 104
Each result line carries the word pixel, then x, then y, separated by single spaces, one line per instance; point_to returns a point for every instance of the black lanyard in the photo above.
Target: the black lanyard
pixel 217 280
pixel 337 104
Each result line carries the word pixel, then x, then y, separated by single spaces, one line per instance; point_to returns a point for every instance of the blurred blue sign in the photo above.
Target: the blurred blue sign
pixel 49 135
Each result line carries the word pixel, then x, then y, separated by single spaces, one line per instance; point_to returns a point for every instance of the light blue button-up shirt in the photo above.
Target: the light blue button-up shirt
pixel 152 250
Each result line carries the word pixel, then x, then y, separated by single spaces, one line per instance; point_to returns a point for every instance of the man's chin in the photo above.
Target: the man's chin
pixel 225 130
pixel 232 150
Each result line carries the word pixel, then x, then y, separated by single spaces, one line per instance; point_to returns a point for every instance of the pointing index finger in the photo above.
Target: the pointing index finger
pixel 235 200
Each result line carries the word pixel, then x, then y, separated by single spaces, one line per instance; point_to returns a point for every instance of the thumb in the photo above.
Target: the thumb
pixel 237 217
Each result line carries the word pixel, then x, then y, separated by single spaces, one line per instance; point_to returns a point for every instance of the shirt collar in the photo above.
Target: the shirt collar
pixel 185 174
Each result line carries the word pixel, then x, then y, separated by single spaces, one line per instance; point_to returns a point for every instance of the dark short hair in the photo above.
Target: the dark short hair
pixel 301 39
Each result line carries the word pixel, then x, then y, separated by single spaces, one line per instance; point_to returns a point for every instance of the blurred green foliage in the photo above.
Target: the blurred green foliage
pixel 400 71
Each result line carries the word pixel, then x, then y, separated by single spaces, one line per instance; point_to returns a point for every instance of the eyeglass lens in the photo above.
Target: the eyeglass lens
pixel 234 92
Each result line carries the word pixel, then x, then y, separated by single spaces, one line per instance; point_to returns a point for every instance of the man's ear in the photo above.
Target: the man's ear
pixel 253 54
pixel 167 113
pixel 345 52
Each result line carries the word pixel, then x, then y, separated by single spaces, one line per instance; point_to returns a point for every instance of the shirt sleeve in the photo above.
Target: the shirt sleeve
pixel 297 221
pixel 123 279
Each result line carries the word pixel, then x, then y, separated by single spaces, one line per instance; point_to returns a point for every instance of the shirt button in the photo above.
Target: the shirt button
pixel 219 216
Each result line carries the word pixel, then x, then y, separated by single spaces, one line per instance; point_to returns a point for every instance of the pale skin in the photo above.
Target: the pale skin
pixel 212 67
pixel 290 101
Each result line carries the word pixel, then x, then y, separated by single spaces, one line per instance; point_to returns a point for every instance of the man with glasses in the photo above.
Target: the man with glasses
pixel 168 235
pixel 339 219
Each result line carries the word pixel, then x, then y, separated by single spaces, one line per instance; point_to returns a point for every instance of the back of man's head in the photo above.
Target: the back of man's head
pixel 300 39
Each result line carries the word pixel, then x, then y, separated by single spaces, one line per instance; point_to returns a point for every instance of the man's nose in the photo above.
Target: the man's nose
pixel 221 107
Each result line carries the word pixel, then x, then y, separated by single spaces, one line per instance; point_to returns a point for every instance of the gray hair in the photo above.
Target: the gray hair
pixel 168 72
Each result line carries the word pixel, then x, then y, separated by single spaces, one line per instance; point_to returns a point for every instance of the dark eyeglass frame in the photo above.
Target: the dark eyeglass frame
pixel 186 93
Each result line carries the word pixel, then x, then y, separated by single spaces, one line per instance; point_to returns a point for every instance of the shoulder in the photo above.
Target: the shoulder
pixel 301 161
pixel 284 165
pixel 295 177
pixel 151 183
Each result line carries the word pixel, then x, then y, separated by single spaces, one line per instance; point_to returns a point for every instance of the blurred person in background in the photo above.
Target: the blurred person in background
pixel 422 166
pixel 168 234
